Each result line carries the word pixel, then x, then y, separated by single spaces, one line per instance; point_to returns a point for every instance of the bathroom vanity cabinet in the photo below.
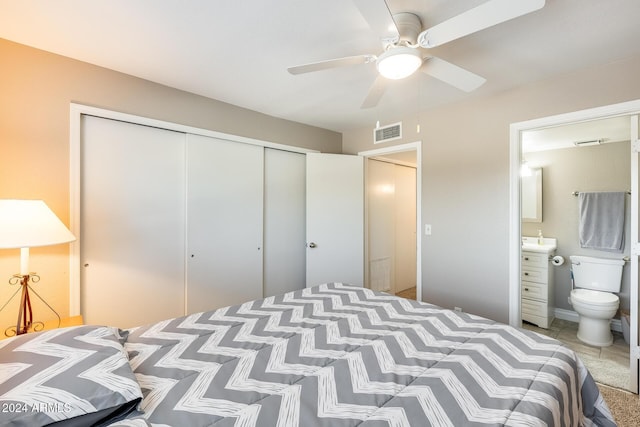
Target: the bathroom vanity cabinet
pixel 536 281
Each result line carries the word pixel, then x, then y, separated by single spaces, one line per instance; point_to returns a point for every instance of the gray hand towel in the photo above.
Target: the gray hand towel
pixel 602 221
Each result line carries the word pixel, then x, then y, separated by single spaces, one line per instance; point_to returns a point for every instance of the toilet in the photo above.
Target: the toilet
pixel 596 280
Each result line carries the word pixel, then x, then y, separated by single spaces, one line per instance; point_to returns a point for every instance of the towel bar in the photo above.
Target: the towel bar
pixel 575 193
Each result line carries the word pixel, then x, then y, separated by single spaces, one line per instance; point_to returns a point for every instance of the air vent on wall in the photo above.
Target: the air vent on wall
pixel 387 133
pixel 588 143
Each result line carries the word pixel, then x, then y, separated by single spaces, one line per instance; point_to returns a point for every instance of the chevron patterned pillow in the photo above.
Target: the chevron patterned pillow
pixel 72 376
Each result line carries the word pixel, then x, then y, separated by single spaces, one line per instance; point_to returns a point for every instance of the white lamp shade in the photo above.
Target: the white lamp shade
pixel 399 62
pixel 30 223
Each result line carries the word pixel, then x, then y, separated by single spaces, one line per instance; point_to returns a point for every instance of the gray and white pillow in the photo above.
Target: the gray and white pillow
pixel 70 376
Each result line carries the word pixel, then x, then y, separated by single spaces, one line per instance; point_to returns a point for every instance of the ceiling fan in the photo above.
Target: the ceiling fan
pixel 403 37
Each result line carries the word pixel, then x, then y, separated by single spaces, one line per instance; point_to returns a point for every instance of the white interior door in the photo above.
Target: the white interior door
pixel 335 219
pixel 132 223
pixel 635 252
pixel 224 222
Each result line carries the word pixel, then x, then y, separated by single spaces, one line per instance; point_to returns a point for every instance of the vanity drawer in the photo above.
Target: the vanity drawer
pixel 533 307
pixel 534 290
pixel 540 321
pixel 531 274
pixel 534 259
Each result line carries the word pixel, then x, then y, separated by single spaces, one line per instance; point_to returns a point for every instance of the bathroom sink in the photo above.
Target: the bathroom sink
pixel 531 244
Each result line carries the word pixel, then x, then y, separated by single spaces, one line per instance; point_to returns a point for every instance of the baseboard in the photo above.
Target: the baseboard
pixel 572 316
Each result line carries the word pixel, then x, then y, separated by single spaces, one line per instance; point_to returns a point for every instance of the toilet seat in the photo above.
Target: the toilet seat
pixel 595 298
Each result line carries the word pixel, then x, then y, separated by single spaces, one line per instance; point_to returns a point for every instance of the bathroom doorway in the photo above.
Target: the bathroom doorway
pixel 519 152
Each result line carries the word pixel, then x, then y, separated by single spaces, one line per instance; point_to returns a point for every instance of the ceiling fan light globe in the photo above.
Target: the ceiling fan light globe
pixel 398 63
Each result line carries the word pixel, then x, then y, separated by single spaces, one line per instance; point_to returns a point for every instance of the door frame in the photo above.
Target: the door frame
pixel 515 148
pixel 417 147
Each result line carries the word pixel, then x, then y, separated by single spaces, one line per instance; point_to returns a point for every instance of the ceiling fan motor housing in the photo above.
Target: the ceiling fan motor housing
pixel 409 26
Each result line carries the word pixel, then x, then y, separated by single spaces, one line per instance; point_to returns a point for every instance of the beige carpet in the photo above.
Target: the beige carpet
pixel 407 293
pixel 624 406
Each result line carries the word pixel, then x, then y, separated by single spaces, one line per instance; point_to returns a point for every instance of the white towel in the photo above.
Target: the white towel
pixel 602 221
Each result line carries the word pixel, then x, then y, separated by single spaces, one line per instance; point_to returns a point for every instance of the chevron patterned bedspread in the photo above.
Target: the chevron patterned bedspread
pixel 338 355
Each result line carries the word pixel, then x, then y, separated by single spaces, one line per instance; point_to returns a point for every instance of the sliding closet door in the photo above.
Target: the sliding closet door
pixel 132 223
pixel 224 222
pixel 284 221
pixel 381 225
pixel 391 197
pixel 405 228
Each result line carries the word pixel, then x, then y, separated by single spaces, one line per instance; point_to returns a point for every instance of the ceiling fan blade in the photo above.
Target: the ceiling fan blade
pixel 484 16
pixel 452 74
pixel 376 91
pixel 331 63
pixel 378 15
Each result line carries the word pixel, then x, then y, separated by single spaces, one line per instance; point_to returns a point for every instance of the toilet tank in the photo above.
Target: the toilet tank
pixel 599 274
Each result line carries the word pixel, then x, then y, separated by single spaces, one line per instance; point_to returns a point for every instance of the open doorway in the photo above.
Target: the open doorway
pixel 519 131
pixel 392 243
pixel 591 156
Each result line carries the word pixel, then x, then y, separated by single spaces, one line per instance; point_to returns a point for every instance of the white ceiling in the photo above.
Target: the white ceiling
pixel 238 51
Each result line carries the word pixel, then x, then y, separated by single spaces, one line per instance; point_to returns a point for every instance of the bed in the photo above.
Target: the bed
pixel 332 355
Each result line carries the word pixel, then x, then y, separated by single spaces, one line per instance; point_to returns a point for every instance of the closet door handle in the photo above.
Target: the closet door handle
pixel 312 245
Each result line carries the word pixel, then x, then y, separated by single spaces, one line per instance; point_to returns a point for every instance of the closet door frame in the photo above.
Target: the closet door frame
pixel 75 145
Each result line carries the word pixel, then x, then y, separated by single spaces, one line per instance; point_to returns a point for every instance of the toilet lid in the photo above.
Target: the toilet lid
pixel 595 297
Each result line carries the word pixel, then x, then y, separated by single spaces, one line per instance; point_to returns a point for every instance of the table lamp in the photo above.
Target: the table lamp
pixel 25 224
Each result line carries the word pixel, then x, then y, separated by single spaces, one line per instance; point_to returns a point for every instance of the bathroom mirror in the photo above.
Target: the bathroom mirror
pixel 531 193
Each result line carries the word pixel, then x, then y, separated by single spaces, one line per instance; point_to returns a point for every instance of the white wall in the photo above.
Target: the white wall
pixel 465 179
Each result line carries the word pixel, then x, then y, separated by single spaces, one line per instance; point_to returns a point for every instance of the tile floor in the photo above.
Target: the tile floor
pixel 566 332
pixel 609 365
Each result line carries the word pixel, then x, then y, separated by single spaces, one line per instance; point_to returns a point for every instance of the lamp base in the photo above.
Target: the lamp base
pixel 25 321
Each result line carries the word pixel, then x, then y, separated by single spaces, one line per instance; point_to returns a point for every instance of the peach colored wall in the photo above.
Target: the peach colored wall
pixel 36 89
